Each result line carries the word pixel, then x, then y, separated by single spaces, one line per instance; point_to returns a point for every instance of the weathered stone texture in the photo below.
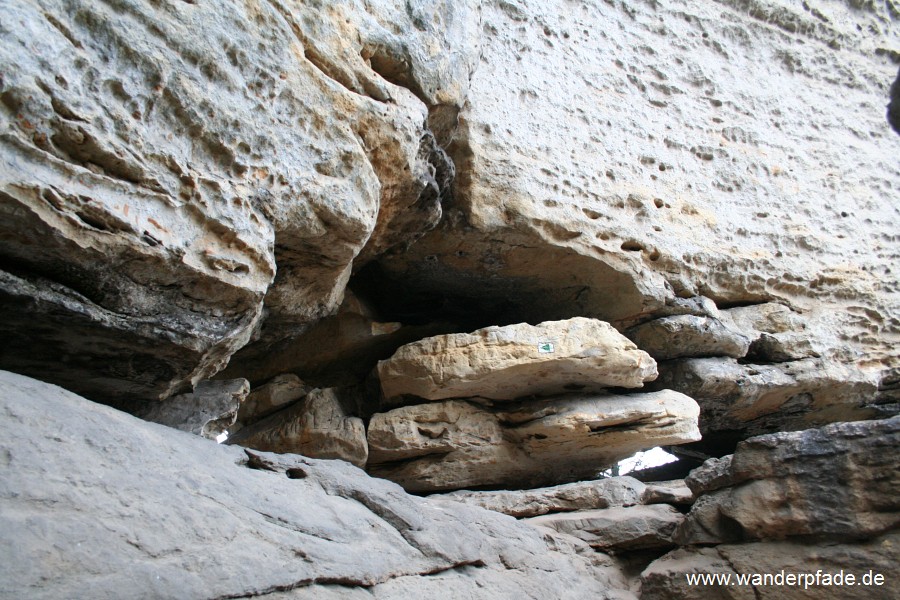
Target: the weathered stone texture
pixel 160 162
pixel 839 482
pixel 454 444
pixel 97 504
pixel 504 363
pixel 318 426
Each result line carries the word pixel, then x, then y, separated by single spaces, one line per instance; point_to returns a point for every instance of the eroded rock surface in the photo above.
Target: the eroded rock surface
pixel 455 444
pixel 209 410
pixel 839 482
pixel 504 363
pixel 160 162
pixel 688 336
pixel 620 528
pixel 583 495
pixel 161 503
pixel 318 426
pixel 740 400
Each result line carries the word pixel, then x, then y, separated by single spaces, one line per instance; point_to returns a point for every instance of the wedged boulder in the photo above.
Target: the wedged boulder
pixel 839 482
pixel 269 398
pixel 764 568
pixel 504 363
pixel 617 529
pixel 208 411
pixel 582 495
pixel 95 503
pixel 456 444
pixel 684 336
pixel 743 400
pixel 318 426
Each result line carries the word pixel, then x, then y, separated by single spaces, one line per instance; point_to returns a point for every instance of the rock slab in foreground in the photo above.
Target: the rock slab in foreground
pixel 97 504
pixel 503 363
pixel 451 445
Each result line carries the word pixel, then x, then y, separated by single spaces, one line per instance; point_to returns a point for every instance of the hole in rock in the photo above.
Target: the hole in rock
pixel 647 459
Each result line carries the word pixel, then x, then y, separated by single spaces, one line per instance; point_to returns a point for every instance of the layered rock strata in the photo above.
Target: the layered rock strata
pixel 821 500
pixel 456 444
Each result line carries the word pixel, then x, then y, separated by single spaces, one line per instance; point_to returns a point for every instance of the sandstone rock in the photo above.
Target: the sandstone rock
pixel 668 492
pixel 688 336
pixel 839 482
pixel 619 528
pixel 742 400
pixel 665 578
pixel 778 333
pixel 712 475
pixel 318 426
pixel 97 504
pixel 278 393
pixel 582 495
pixel 573 198
pixel 155 177
pixel 455 444
pixel 208 411
pixel 504 363
pixel 338 350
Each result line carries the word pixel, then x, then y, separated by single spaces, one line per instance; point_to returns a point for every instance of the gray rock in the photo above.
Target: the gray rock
pixel 667 492
pixel 838 482
pixel 208 411
pixel 452 445
pixel 742 400
pixel 319 426
pixel 712 475
pixel 95 503
pixel 618 529
pixel 686 336
pixel 279 392
pixel 582 495
pixel 778 333
pixel 665 578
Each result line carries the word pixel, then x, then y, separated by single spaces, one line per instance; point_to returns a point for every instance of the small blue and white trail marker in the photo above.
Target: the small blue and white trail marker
pixel 545 347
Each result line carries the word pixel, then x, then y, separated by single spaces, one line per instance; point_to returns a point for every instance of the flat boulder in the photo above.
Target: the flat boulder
pixel 504 363
pixel 455 444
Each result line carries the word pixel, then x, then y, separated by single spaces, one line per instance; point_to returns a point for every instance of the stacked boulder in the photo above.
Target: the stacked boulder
pixel 519 406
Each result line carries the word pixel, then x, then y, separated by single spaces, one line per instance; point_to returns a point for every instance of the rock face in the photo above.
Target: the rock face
pixel 157 171
pixel 739 400
pixel 583 495
pixel 784 485
pixel 688 336
pixel 162 502
pixel 619 528
pixel 318 426
pixel 455 444
pixel 209 410
pixel 504 363
pixel 665 579
pixel 278 393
